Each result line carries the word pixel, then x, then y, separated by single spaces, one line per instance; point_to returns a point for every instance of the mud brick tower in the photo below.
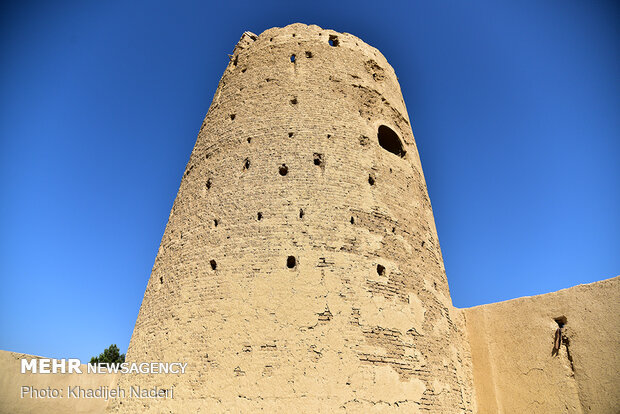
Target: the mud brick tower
pixel 300 270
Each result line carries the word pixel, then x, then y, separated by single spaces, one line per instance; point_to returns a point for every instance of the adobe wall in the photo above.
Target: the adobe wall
pixel 288 163
pixel 11 381
pixel 512 345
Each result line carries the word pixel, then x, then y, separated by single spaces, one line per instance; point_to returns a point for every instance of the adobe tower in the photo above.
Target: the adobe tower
pixel 300 269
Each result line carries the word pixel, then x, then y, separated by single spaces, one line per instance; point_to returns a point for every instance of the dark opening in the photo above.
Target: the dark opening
pixel 243 70
pixel 291 262
pixel 232 117
pixel 371 180
pixel 301 213
pixel 318 159
pixel 352 220
pixel 283 170
pixel 292 58
pixel 249 140
pixel 380 270
pixel 246 164
pixel 333 40
pixel 560 338
pixel 213 264
pixel 290 134
pixel 161 280
pixel 260 215
pixel 294 101
pixel 561 321
pixel 389 140
pixel 329 136
pixel 215 222
pixel 308 54
pixel 208 184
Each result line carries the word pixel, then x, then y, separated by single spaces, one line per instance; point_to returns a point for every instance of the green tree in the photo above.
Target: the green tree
pixel 110 355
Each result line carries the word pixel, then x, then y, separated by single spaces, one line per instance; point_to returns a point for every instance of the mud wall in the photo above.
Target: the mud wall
pixel 517 370
pixel 11 381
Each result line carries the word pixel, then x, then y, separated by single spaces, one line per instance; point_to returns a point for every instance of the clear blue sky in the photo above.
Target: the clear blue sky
pixel 515 109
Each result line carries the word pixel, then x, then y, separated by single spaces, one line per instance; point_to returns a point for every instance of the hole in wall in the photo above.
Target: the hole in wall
pixel 308 54
pixel 329 136
pixel 215 222
pixel 246 164
pixel 283 170
pixel 243 70
pixel 352 220
pixel 560 338
pixel 380 270
pixel 561 321
pixel 371 180
pixel 301 213
pixel 208 183
pixel 291 262
pixel 292 58
pixel 213 264
pixel 318 159
pixel 389 141
pixel 333 40
pixel 232 117
pixel 294 101
pixel 249 140
pixel 161 280
pixel 259 216
pixel 290 134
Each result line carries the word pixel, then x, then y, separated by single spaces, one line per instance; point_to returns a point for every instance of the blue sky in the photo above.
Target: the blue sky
pixel 514 106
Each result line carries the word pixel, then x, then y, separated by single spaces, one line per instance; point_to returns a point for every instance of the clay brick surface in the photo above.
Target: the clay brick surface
pixel 295 139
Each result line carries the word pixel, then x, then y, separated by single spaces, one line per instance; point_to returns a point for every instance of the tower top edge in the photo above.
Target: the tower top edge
pixel 301 31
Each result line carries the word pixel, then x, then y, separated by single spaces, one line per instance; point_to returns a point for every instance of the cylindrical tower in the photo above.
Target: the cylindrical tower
pixel 300 268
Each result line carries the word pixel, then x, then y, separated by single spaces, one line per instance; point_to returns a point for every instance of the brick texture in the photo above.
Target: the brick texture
pixel 288 168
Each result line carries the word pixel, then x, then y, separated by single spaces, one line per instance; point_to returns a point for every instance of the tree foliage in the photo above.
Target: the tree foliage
pixel 110 355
